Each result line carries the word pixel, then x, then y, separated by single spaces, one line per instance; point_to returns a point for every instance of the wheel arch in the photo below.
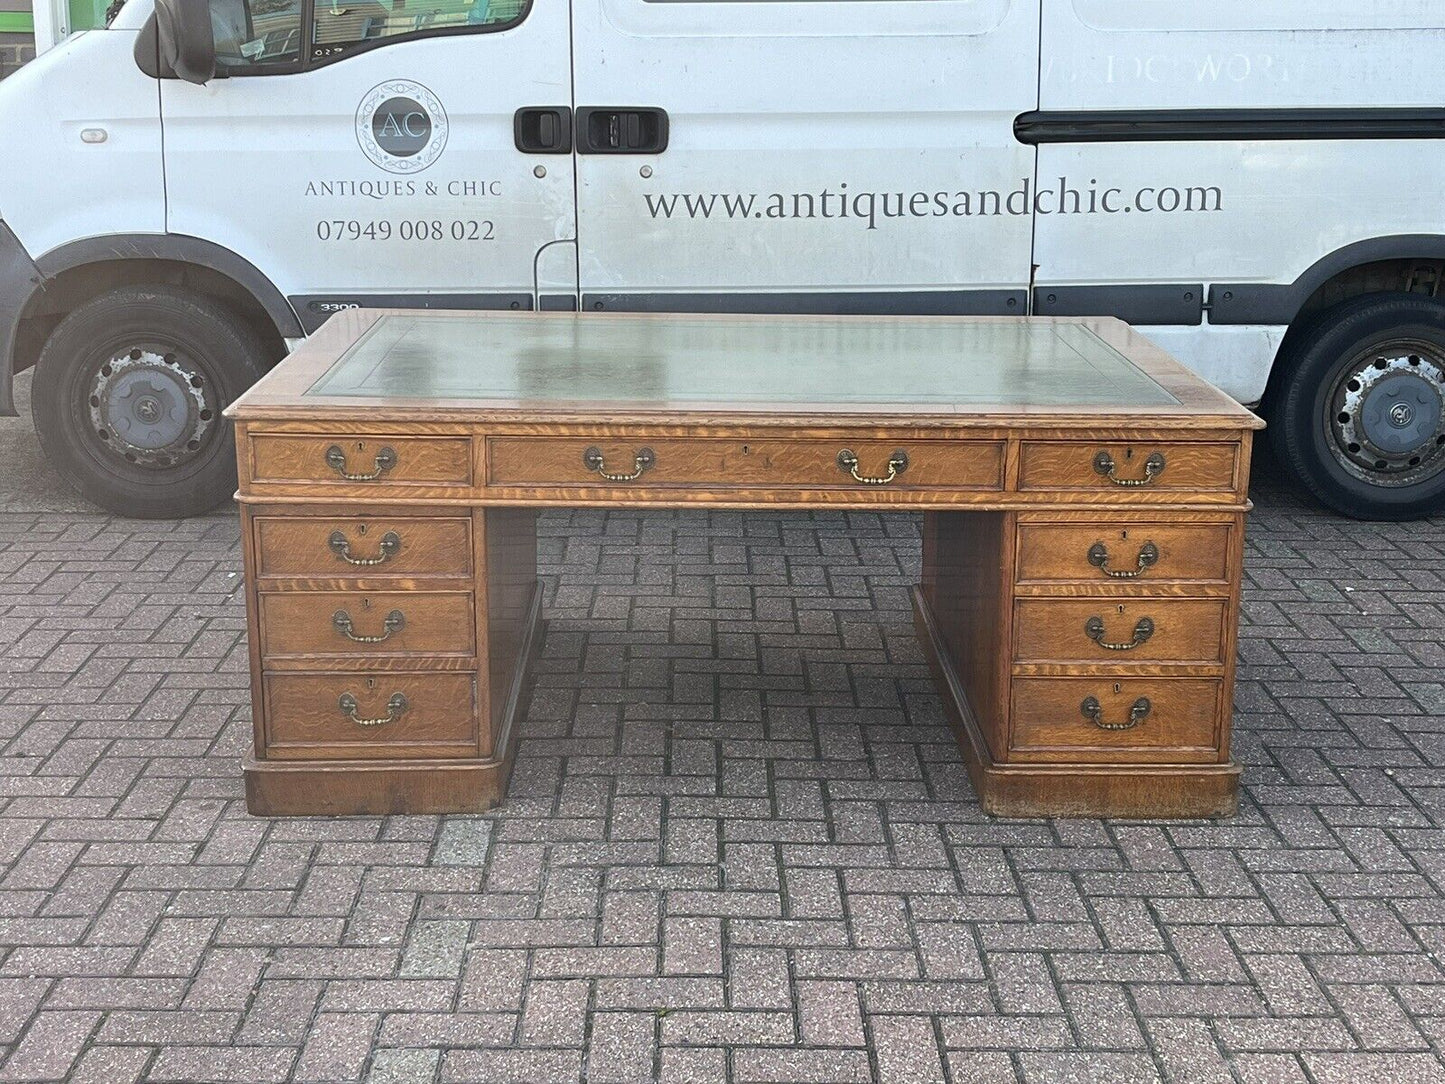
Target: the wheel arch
pixel 84 269
pixel 1401 263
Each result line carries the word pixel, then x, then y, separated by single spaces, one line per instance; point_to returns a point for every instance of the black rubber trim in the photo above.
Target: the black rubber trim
pixel 1151 304
pixel 19 280
pixel 862 303
pixel 181 249
pixel 558 303
pixel 1189 125
pixel 1278 304
pixel 316 309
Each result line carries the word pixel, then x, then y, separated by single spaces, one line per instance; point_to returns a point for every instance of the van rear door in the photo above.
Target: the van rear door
pixel 830 155
pixel 363 152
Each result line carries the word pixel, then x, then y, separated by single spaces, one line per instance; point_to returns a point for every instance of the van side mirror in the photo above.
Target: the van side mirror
pixel 177 42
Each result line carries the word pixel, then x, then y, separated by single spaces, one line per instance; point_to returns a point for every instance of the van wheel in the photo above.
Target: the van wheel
pixel 1359 417
pixel 128 395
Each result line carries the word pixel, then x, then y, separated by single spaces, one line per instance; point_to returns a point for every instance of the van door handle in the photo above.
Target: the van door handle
pixel 621 130
pixel 543 129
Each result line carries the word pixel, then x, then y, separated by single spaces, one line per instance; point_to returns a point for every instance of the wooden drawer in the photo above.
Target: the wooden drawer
pixel 1181 723
pixel 1137 630
pixel 1124 553
pixel 373 462
pixel 1137 470
pixel 375 547
pixel 742 464
pixel 411 626
pixel 403 715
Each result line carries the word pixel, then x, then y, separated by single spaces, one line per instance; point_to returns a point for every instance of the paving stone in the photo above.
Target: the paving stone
pixel 555 1013
pixel 337 1046
pixel 622 1048
pixel 404 1067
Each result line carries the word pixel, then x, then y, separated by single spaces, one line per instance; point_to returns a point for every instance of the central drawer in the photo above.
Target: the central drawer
pixel 358 625
pixel 363 715
pixel 838 463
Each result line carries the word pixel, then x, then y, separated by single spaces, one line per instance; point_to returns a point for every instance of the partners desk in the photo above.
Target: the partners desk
pixel 1083 530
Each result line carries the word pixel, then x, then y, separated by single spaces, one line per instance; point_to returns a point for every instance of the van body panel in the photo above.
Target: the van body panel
pixel 54 187
pixel 1144 54
pixel 1234 359
pixel 812 147
pixel 1181 210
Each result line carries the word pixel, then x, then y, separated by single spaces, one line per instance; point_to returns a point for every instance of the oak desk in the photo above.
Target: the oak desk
pixel 1084 500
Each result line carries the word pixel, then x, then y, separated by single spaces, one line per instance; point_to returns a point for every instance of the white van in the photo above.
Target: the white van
pixel 1257 185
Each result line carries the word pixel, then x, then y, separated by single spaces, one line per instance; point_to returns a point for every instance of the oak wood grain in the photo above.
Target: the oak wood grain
pixel 1072 788
pixel 1069 465
pixel 1055 630
pixel 1194 552
pixel 512 611
pixel 300 626
pixel 301 546
pixel 304 458
pixel 304 718
pixel 375 788
pixel 1182 724
pixel 748 463
pixel 962 558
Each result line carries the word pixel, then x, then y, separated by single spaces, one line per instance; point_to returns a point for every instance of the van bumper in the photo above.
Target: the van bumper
pixel 19 280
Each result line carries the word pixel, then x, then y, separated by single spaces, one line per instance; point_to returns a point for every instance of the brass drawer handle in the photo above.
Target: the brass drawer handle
pixel 645 458
pixel 396 707
pixel 897 464
pixel 336 460
pixel 1099 558
pixel 1094 630
pixel 1091 710
pixel 394 622
pixel 390 545
pixel 1153 468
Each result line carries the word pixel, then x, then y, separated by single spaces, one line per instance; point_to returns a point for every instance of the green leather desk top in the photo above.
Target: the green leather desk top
pixel 661 360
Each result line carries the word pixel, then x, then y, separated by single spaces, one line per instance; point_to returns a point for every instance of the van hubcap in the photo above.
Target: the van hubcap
pixel 151 406
pixel 1388 414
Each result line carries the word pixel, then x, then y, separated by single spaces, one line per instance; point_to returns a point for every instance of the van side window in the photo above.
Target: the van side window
pixel 256 34
pixel 342 26
pixel 261 37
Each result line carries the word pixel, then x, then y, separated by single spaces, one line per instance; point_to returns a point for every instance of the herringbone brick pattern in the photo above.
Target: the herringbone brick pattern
pixel 739 843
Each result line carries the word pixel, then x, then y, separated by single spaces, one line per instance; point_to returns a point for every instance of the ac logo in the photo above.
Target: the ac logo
pixel 401 126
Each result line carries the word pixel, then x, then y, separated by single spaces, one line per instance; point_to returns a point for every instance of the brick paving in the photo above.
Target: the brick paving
pixel 739 842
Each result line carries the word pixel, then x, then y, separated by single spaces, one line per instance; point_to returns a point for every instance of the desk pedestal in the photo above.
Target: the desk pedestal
pixel 1074 691
pixel 436 695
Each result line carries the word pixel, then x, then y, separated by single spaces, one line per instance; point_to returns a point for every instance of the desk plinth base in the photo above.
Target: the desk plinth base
pixel 361 788
pixel 1069 790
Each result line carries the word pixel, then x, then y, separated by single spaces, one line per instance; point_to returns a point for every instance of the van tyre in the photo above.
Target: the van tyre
pixel 128 395
pixel 1359 415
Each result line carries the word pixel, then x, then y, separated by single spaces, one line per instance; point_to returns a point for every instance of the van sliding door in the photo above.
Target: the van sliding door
pixel 824 156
